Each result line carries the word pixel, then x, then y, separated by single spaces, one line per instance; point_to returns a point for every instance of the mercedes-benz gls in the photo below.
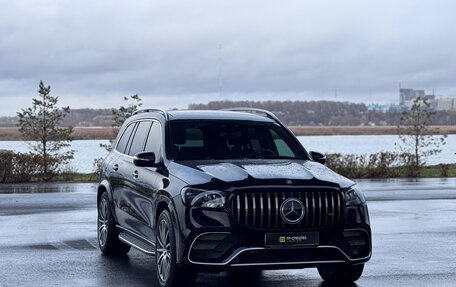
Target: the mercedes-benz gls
pixel 207 191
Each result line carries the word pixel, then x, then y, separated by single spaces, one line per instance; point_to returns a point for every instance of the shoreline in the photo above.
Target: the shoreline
pixel 106 133
pixel 43 187
pixel 430 171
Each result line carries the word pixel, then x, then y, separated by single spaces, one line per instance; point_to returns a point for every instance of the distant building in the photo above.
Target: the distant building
pixel 385 108
pixel 377 107
pixel 407 96
pixel 445 104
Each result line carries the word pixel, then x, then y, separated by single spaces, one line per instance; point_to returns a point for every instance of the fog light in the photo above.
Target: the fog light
pixel 209 241
pixel 357 242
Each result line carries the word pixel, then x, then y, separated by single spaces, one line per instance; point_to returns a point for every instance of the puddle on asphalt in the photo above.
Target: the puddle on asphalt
pixel 42 246
pixel 78 244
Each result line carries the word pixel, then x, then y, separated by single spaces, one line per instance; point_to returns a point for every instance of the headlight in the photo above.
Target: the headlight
pixel 354 196
pixel 203 198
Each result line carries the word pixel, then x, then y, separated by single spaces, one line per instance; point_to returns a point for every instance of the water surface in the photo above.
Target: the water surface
pixel 88 150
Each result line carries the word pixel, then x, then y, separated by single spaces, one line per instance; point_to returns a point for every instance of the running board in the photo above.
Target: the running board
pixel 136 243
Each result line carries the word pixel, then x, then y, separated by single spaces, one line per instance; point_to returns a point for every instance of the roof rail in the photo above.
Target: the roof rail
pixel 151 110
pixel 255 111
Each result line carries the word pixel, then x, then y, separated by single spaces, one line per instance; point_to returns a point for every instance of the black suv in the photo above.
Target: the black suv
pixel 227 190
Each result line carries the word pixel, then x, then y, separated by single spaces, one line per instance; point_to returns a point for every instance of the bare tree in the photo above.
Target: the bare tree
pixel 121 114
pixel 417 138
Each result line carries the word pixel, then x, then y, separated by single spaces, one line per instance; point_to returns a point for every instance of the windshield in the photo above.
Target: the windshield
pixel 222 139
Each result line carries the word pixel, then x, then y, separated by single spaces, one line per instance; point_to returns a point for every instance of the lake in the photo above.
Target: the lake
pixel 88 150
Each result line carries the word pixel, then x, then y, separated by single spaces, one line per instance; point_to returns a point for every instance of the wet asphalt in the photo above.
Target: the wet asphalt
pixel 49 239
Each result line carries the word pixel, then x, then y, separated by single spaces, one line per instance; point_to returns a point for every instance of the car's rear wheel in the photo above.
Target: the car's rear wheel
pixel 169 274
pixel 340 273
pixel 108 237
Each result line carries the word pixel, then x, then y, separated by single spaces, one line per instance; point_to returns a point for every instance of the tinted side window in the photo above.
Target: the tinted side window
pixel 124 139
pixel 139 138
pixel 154 141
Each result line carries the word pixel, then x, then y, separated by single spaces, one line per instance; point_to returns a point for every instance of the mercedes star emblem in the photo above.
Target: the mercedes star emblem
pixel 292 210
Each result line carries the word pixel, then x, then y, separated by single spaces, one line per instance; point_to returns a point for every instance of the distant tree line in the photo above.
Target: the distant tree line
pixel 327 113
pixel 312 113
pixel 75 118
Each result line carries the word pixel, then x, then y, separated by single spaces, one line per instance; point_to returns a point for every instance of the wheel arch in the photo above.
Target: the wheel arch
pixel 104 186
pixel 164 201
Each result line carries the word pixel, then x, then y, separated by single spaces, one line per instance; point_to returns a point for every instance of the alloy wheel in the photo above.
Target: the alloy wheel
pixel 163 251
pixel 103 222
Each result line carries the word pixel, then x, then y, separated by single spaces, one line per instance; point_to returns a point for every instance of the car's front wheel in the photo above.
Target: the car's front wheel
pixel 169 274
pixel 340 273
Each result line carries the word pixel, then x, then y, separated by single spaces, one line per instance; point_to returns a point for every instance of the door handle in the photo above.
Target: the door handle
pixel 115 167
pixel 135 174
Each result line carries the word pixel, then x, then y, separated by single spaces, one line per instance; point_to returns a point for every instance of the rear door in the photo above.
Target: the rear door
pixel 121 169
pixel 131 214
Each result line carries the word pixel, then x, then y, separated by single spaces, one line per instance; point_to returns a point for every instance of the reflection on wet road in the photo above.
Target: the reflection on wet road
pixel 49 239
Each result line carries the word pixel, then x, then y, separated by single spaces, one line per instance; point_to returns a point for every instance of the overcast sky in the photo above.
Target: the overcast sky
pixel 94 52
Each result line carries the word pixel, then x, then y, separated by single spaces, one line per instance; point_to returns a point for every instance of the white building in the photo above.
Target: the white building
pixel 446 104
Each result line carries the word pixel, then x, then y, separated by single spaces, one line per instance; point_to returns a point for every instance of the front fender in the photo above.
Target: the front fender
pixel 164 199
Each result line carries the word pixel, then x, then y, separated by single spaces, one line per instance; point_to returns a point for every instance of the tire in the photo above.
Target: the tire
pixel 108 237
pixel 169 274
pixel 341 273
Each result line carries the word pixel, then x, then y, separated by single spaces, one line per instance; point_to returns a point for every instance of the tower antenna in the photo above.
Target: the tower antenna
pixel 220 72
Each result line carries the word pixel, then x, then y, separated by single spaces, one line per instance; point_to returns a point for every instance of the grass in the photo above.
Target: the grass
pixel 426 172
pixel 78 177
pixel 436 171
pixel 73 177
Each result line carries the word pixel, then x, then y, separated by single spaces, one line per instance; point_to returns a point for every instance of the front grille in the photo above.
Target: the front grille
pixel 261 209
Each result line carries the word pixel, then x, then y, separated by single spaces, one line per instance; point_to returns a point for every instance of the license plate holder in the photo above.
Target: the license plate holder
pixel 291 239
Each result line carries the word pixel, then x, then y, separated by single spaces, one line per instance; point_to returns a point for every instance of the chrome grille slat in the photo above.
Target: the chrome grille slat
pixel 339 213
pixel 238 206
pixel 319 208
pixel 276 207
pixel 254 208
pixel 307 209
pixel 246 215
pixel 326 209
pixel 261 209
pixel 270 211
pixel 313 210
pixel 283 199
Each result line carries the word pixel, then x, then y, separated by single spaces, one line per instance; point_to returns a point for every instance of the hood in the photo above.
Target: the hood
pixel 253 172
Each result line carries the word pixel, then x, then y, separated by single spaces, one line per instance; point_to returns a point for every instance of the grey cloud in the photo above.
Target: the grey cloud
pixel 167 51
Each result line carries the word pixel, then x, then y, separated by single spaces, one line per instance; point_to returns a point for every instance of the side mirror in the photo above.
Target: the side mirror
pixel 145 159
pixel 318 157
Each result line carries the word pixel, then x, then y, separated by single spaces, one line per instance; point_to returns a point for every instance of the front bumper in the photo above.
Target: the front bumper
pixel 212 240
pixel 233 251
